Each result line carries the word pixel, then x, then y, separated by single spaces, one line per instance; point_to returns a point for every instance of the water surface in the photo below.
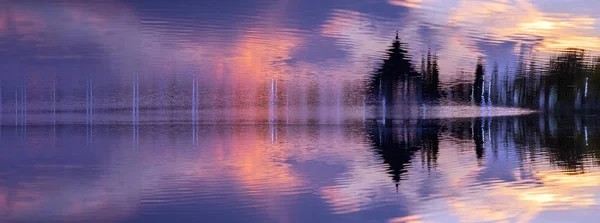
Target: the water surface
pixel 528 168
pixel 299 111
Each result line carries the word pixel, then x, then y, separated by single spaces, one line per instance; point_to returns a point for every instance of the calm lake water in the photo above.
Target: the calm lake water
pixel 511 169
pixel 299 111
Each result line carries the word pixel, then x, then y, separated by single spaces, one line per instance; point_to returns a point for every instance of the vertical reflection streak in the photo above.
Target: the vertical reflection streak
pixel 54 104
pixel 133 100
pixel 16 108
pixel 22 106
pixel 25 106
pixel 193 100
pixel 135 110
pixel 1 112
pixel 585 129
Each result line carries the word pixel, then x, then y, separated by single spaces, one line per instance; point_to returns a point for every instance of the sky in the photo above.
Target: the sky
pixel 240 46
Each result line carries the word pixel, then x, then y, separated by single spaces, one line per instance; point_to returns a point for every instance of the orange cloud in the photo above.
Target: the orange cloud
pixel 406 3
pixel 505 20
pixel 260 54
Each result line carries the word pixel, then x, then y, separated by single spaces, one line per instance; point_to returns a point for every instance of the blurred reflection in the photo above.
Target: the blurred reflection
pixel 396 144
pixel 267 172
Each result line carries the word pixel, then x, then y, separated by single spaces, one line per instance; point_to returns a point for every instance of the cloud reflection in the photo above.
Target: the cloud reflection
pixel 272 170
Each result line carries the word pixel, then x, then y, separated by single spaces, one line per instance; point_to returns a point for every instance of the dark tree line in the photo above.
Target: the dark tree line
pixel 568 82
pixel 430 77
pixel 565 142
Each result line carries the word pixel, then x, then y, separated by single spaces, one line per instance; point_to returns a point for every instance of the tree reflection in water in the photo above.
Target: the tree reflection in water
pixel 535 137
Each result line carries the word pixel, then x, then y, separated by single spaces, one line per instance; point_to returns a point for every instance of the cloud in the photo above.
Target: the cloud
pixel 406 3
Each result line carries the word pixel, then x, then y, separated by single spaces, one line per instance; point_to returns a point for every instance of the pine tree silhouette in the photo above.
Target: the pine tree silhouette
pixel 396 67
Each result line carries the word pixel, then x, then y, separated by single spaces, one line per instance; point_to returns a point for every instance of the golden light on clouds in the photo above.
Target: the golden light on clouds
pixel 406 3
pixel 521 202
pixel 583 42
pixel 407 219
pixel 504 20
